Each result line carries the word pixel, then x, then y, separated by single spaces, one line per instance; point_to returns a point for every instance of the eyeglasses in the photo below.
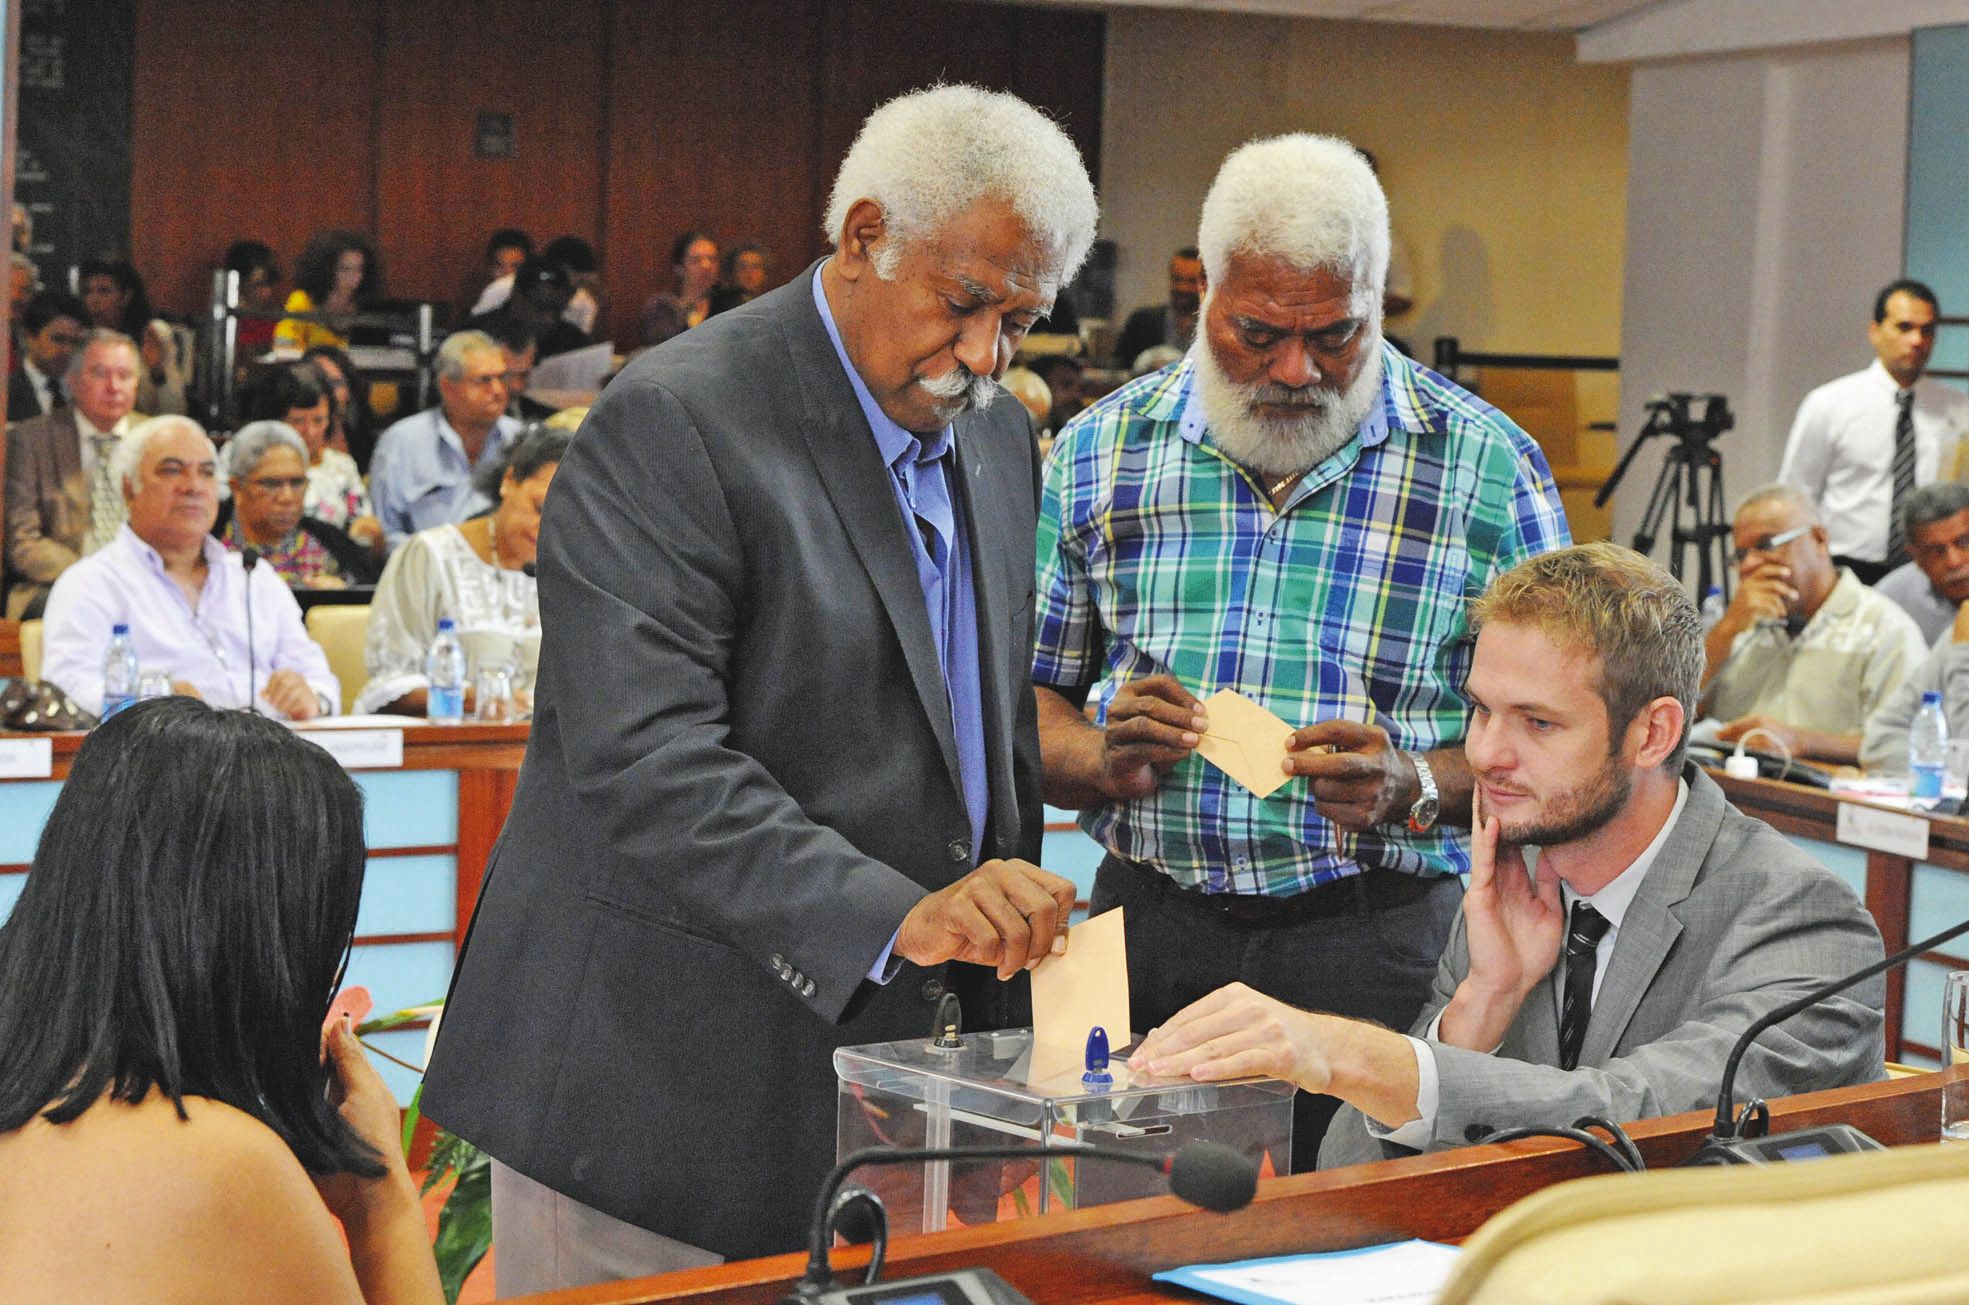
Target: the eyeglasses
pixel 502 378
pixel 277 484
pixel 1770 543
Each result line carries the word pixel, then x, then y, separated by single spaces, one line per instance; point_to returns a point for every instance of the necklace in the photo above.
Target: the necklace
pixel 492 538
pixel 1280 485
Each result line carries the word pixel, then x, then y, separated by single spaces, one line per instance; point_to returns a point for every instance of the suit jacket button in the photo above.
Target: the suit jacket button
pixel 1477 1132
pixel 807 988
pixel 933 991
pixel 959 851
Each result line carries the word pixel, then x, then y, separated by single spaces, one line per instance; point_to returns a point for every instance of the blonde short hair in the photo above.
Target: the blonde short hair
pixel 1614 605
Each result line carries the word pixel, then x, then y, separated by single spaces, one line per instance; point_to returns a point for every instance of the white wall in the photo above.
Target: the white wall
pixel 1764 210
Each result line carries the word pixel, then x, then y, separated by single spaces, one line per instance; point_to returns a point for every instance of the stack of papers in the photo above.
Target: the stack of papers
pixel 1403 1273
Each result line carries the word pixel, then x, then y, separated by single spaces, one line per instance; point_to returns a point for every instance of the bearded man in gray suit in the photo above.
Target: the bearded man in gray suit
pixel 1611 973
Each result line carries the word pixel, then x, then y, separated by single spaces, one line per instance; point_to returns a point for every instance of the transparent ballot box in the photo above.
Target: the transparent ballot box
pixel 987 1091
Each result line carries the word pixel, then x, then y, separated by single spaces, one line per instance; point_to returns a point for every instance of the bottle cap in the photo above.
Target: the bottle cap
pixel 1931 697
pixel 118 628
pixel 446 623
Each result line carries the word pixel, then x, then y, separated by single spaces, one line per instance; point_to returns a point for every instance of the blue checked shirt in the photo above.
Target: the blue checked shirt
pixel 1158 554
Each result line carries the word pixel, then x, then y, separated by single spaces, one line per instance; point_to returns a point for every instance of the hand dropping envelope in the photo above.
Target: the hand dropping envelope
pixel 1073 992
pixel 1245 741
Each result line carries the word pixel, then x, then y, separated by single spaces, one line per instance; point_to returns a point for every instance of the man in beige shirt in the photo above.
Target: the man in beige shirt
pixel 54 466
pixel 1805 652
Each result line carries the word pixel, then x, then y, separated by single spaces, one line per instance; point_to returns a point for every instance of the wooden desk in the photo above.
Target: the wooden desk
pixel 430 825
pixel 1889 886
pixel 1107 1254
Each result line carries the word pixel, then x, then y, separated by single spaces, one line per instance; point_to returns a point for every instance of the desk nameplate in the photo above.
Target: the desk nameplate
pixel 1883 831
pixel 360 749
pixel 27 758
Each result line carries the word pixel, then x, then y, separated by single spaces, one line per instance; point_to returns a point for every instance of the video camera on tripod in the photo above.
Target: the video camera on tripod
pixel 1680 481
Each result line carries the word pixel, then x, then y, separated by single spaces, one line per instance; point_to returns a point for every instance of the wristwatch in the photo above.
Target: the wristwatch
pixel 1422 816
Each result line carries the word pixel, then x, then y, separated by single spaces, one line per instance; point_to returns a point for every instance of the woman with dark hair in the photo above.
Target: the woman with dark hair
pixel 748 271
pixel 336 274
pixel 694 258
pixel 348 430
pixel 172 1126
pixel 259 282
pixel 471 573
pixel 113 292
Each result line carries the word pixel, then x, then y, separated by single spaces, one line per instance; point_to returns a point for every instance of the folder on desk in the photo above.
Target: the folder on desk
pixel 1400 1273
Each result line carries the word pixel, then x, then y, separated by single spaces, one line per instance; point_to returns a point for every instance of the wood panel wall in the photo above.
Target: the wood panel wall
pixel 634 120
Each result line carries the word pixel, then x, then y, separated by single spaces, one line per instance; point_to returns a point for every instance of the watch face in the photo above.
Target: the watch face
pixel 1423 815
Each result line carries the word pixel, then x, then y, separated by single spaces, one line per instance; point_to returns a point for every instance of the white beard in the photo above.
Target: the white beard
pixel 1282 446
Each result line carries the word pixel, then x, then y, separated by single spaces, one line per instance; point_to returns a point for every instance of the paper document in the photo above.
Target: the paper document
pixel 1245 741
pixel 1403 1273
pixel 1074 992
pixel 577 369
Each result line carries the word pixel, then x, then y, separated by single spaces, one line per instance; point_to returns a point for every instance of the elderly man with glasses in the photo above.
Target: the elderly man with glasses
pixel 1805 652
pixel 422 473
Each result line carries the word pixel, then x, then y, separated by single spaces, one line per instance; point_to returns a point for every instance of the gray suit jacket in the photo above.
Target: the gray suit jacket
pixel 47 504
pixel 741 777
pixel 1731 921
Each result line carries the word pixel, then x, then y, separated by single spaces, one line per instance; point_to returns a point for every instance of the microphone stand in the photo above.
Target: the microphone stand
pixel 1208 1174
pixel 1729 1130
pixel 248 559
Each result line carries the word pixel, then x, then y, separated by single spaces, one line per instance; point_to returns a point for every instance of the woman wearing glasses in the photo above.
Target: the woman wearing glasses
pixel 268 465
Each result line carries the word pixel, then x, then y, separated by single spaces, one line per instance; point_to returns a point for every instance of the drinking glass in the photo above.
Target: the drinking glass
pixel 1955 1057
pixel 493 694
pixel 153 684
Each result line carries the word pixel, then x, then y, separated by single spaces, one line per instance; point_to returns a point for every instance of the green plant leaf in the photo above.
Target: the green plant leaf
pixel 411 1114
pixel 465 1221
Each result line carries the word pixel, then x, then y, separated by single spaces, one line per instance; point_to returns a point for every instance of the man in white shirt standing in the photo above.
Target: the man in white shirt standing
pixel 1660 922
pixel 183 595
pixel 1861 444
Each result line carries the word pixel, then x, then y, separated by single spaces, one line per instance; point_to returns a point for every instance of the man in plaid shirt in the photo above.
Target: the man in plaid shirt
pixel 1299 513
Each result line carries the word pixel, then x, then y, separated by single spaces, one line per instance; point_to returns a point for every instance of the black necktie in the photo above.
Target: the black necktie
pixel 1583 934
pixel 1903 473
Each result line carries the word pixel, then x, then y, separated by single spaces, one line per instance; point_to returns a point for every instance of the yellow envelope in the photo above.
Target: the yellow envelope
pixel 1073 992
pixel 1245 741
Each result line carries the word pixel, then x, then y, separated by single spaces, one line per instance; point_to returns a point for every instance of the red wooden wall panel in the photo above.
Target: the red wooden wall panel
pixel 634 119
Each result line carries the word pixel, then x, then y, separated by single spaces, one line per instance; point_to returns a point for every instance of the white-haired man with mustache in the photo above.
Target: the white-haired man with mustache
pixel 1298 513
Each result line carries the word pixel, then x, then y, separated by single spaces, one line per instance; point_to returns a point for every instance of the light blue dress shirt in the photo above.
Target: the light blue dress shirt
pixel 420 476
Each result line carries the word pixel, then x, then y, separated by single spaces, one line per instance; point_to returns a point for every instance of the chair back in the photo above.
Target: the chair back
pixel 1879 1226
pixel 342 629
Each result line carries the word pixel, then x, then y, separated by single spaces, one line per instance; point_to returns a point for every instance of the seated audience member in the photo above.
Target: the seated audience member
pixel 471 573
pixel 1805 652
pixel 1173 322
pixel 62 499
pixel 300 396
pixel 540 297
pixel 49 328
pixel 259 292
pixel 522 351
pixel 422 473
pixel 505 250
pixel 1035 398
pixel 1062 374
pixel 748 273
pixel 182 594
pixel 268 465
pixel 337 274
pixel 114 295
pixel 1932 587
pixel 694 260
pixel 1659 924
pixel 176 1123
pixel 577 258
pixel 348 415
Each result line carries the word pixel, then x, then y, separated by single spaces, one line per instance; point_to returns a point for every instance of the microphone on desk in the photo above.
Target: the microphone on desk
pixel 249 558
pixel 1742 1140
pixel 1206 1174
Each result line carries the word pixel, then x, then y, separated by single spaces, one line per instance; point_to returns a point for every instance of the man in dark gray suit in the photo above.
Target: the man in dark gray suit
pixel 782 788
pixel 1659 924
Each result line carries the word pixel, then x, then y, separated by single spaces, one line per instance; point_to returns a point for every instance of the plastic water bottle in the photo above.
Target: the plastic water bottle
pixel 445 667
pixel 1713 607
pixel 119 671
pixel 1927 752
